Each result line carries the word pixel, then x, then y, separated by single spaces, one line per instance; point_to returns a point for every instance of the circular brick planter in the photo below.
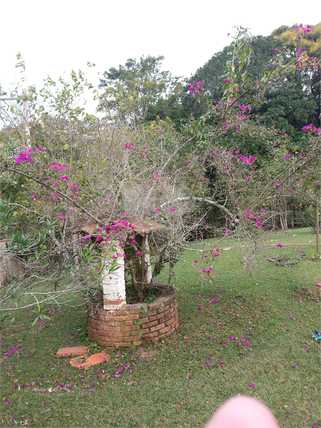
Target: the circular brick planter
pixel 133 324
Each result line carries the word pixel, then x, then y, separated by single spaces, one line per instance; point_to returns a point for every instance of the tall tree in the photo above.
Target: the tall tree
pixel 135 88
pixel 293 101
pixel 309 81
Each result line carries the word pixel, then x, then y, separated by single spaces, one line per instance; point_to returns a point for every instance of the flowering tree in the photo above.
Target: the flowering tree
pixel 81 170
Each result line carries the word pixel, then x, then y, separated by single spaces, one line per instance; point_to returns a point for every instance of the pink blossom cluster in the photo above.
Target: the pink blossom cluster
pixel 194 88
pixel 248 161
pixel 26 156
pixel 310 128
pixel 119 371
pixel 258 222
pixel 143 153
pixel 208 271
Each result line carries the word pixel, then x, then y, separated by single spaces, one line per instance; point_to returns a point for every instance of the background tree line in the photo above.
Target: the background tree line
pixel 139 87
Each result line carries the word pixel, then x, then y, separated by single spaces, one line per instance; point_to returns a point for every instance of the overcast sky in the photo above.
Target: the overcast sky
pixel 57 36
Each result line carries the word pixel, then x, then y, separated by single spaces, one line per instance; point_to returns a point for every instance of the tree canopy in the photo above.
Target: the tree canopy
pixel 137 90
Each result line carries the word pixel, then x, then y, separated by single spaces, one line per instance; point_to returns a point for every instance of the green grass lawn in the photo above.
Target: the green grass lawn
pixel 185 380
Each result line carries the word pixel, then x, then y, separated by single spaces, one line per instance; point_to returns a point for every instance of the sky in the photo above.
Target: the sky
pixel 57 36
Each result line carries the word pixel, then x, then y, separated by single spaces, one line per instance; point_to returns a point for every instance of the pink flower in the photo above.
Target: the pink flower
pixel 252 385
pixel 139 253
pixel 87 267
pixel 195 261
pixel 279 245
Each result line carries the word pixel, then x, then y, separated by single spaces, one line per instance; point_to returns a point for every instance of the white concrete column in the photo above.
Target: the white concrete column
pixel 114 291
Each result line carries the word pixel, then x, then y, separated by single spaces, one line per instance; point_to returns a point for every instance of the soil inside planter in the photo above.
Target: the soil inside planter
pixel 150 296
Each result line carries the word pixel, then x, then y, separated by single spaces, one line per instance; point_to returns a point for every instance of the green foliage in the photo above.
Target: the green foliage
pixel 19 242
pixel 294 100
pixel 7 215
pixel 40 315
pixel 139 90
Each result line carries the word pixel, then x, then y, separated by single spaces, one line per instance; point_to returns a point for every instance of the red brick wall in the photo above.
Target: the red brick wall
pixel 119 328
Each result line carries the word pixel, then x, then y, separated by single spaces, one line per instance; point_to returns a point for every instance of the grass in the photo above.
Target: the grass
pixel 183 382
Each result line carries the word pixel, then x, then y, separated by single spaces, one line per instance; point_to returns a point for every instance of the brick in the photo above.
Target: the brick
pixel 127 323
pixel 146 335
pixel 157 327
pixel 131 328
pixel 105 329
pixel 131 333
pixel 74 350
pixel 100 317
pixel 152 324
pixel 153 335
pixel 154 317
pixel 135 311
pixel 168 313
pixel 167 319
pixel 171 321
pixel 100 338
pixel 138 342
pixel 115 329
pixel 113 324
pixel 122 313
pixel 164 330
pixel 154 306
pixel 160 310
pixel 116 338
pixel 128 317
pixel 130 339
pixel 145 319
pixel 106 334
